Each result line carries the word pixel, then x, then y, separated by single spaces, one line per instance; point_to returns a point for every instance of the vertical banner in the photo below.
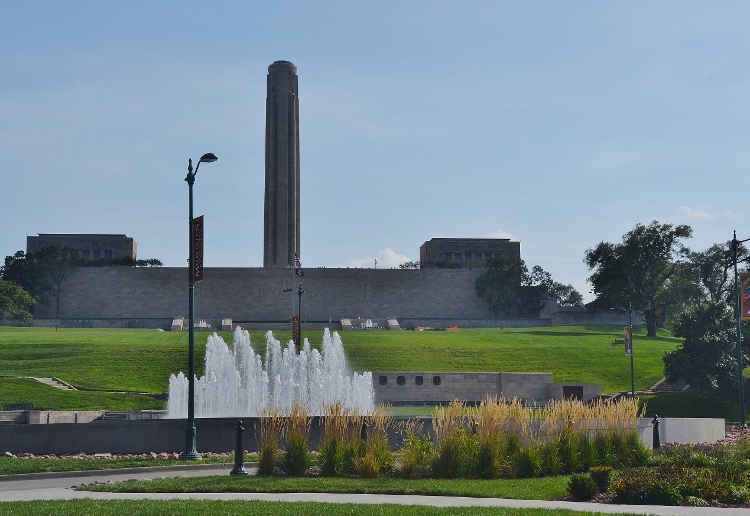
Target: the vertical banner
pixel 295 331
pixel 745 295
pixel 196 227
pixel 628 342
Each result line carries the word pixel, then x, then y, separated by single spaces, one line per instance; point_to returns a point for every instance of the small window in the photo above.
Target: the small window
pixel 435 380
pixel 467 257
pixel 448 256
pixel 457 257
pixel 419 380
pixel 85 253
pixel 478 257
pixel 383 380
pixel 401 380
pixel 97 254
pixel 108 254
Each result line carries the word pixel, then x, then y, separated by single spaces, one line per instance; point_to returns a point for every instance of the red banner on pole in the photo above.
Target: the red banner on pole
pixel 197 232
pixel 628 342
pixel 745 295
pixel 295 330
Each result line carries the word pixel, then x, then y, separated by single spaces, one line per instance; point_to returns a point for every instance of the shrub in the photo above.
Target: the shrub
pixel 415 456
pixel 582 487
pixel 267 457
pixel 330 459
pixel 489 456
pixel 601 475
pixel 456 452
pixel 526 462
pixel 296 460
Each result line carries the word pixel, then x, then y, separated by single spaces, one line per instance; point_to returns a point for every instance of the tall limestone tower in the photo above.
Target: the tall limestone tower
pixel 281 210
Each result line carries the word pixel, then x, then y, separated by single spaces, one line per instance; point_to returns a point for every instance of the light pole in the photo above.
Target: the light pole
pixel 190 452
pixel 629 343
pixel 299 292
pixel 739 313
pixel 630 339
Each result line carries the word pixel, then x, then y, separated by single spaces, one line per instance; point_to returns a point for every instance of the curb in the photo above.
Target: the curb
pixel 122 471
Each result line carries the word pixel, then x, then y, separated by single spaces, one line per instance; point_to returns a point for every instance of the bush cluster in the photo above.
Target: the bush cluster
pixel 699 475
pixel 497 439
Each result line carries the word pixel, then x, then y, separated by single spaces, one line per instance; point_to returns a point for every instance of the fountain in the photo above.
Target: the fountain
pixel 237 383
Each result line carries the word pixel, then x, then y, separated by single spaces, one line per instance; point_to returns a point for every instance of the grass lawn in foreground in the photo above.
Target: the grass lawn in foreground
pixel 542 488
pixel 257 508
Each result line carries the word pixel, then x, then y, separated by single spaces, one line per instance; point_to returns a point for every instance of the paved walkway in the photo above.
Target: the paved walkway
pixel 58 486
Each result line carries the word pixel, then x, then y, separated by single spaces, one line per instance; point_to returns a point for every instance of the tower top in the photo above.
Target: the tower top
pixel 282 65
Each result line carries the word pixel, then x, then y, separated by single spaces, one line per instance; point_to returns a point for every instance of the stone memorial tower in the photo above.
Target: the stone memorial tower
pixel 281 206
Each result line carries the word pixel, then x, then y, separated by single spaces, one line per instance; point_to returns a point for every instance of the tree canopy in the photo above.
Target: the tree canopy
pixel 509 287
pixel 708 357
pixel 639 269
pixel 14 302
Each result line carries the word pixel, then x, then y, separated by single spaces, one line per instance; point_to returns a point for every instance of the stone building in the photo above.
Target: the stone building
pixel 87 245
pixel 468 251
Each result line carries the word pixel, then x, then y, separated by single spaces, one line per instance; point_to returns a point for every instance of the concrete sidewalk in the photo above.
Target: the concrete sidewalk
pixel 58 486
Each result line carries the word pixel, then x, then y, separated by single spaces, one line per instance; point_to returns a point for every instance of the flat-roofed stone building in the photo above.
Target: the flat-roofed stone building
pixel 468 251
pixel 88 245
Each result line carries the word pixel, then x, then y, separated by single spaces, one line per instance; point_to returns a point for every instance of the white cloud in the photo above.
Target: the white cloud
pixel 386 259
pixel 691 214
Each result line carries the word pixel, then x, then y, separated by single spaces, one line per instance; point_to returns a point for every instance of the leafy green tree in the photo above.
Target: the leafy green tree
pixel 21 270
pixel 714 269
pixel 507 287
pixel 14 302
pixel 556 290
pixel 639 269
pixel 708 357
pixel 53 263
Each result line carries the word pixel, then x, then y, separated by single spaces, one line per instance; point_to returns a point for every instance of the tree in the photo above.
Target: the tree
pixel 20 269
pixel 556 290
pixel 708 357
pixel 53 263
pixel 409 265
pixel 14 302
pixel 714 269
pixel 638 270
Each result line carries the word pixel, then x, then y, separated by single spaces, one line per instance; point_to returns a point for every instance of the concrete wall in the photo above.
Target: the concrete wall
pixel 256 294
pixel 415 387
pixel 218 435
pixel 683 430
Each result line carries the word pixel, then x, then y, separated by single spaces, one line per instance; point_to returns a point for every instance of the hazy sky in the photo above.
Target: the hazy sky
pixel 559 124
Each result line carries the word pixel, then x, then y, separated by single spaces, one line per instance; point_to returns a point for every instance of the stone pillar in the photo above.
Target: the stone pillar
pixel 281 208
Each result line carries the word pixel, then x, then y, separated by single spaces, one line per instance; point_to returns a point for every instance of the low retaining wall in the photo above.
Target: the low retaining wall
pixel 218 435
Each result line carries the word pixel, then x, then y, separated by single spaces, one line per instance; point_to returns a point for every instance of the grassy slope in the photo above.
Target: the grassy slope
pixel 141 360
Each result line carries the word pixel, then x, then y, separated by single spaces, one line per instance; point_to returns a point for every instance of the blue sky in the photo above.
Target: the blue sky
pixel 559 124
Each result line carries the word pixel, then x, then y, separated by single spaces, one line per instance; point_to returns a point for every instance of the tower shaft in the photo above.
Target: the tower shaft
pixel 281 238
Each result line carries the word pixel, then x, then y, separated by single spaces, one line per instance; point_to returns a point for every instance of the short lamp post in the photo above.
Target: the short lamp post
pixel 739 313
pixel 299 292
pixel 190 452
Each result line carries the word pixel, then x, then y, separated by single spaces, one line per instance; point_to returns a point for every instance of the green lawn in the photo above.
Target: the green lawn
pixel 138 360
pixel 257 508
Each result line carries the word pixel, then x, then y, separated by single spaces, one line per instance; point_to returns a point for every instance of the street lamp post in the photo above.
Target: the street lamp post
pixel 629 343
pixel 190 452
pixel 299 292
pixel 630 336
pixel 739 314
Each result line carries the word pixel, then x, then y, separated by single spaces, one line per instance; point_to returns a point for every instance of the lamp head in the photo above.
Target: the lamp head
pixel 209 157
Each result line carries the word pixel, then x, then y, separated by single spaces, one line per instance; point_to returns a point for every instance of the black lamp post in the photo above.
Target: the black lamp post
pixel 629 343
pixel 741 379
pixel 190 452
pixel 299 292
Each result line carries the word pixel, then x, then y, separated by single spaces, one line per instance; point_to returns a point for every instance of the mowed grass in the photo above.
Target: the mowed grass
pixel 140 361
pixel 258 508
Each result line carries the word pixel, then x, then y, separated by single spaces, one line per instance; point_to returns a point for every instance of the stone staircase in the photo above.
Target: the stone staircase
pixel 662 386
pixel 56 383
